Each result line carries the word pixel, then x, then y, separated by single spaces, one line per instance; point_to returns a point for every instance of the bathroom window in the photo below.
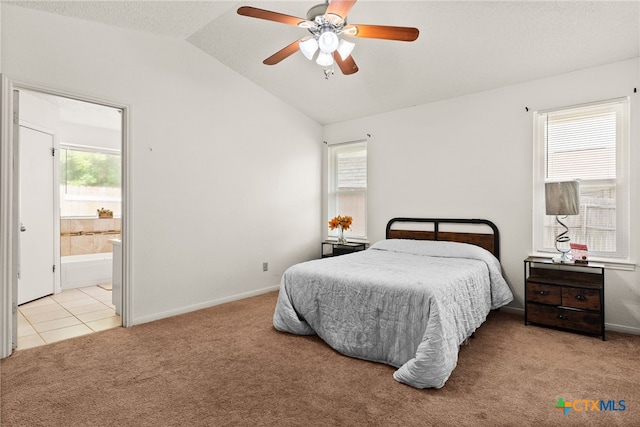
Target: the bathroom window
pixel 89 181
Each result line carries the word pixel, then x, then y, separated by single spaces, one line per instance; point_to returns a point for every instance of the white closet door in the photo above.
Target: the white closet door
pixel 37 242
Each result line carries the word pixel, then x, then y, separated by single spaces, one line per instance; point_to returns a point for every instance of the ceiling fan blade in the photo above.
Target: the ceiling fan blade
pixel 347 66
pixel 405 34
pixel 254 12
pixel 283 53
pixel 340 7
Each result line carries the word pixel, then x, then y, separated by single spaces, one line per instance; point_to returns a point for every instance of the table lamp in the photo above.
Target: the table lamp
pixel 562 199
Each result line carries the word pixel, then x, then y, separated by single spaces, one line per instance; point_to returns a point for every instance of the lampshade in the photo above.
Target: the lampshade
pixel 328 42
pixel 345 48
pixel 562 198
pixel 309 47
pixel 324 59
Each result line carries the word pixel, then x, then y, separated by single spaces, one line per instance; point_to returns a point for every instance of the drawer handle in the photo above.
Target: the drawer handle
pixel 543 293
pixel 581 297
pixel 562 317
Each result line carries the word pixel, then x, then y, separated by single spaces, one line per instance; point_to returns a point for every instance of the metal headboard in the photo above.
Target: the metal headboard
pixel 490 242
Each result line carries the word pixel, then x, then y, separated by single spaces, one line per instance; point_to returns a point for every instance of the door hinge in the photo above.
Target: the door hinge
pixel 14 308
pixel 53 151
pixel 54 268
pixel 15 117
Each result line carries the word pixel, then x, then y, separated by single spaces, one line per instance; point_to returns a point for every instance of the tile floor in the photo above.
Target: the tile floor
pixel 69 314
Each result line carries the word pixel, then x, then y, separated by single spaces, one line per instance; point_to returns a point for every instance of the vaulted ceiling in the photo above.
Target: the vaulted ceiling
pixel 464 46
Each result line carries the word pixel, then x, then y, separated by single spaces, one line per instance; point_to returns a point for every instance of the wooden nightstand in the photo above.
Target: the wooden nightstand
pixel 333 248
pixel 564 296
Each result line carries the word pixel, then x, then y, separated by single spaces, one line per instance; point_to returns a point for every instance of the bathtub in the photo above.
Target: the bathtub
pixel 77 271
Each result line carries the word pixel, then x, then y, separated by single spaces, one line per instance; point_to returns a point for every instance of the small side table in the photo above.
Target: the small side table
pixel 565 296
pixel 333 248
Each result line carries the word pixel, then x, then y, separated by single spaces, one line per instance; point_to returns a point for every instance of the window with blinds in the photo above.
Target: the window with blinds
pixel 588 143
pixel 348 186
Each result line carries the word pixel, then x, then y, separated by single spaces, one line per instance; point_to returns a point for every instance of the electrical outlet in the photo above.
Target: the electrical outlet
pixel 265 266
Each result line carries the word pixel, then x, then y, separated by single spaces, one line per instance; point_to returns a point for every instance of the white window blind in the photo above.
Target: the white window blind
pixel 589 143
pixel 348 186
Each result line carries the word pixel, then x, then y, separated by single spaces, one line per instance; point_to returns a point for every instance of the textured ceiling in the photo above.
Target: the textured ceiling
pixel 464 47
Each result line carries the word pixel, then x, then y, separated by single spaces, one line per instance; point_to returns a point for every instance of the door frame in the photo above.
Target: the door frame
pixel 9 221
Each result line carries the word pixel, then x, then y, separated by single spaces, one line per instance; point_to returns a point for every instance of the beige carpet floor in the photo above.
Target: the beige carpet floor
pixel 227 366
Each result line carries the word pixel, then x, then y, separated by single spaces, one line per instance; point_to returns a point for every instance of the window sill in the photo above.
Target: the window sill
pixel 609 263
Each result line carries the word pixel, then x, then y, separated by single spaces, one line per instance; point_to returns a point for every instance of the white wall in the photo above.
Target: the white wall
pixel 471 157
pixel 91 136
pixel 224 175
pixel 37 111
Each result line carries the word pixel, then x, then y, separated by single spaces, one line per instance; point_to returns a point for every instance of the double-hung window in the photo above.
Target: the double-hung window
pixel 589 143
pixel 348 186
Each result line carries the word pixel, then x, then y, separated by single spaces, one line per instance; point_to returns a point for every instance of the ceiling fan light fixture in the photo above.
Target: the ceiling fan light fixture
pixel 328 42
pixel 324 59
pixel 345 48
pixel 309 47
pixel 350 30
pixel 327 23
pixel 306 24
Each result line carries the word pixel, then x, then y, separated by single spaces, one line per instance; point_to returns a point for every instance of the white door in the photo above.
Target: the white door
pixel 36 270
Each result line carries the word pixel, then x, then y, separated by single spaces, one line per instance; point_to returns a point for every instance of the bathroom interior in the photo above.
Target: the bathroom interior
pixel 87 220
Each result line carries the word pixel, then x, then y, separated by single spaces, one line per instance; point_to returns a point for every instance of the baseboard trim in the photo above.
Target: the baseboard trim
pixel 200 306
pixel 512 310
pixel 145 319
pixel 621 328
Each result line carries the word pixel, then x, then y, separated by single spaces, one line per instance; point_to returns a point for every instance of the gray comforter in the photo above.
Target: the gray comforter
pixel 406 303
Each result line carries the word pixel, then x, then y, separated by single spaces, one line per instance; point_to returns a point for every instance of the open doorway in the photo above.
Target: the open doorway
pixel 70 193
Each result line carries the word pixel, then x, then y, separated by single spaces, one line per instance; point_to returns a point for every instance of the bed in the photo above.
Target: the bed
pixel 409 300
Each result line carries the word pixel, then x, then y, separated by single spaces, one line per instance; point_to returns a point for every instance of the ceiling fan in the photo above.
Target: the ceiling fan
pixel 327 22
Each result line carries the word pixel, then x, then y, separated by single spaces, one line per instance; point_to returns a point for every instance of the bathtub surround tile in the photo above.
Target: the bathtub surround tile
pixel 87 225
pixel 65 226
pixel 103 243
pixel 81 236
pixel 65 245
pixel 104 224
pixel 84 244
pixel 76 226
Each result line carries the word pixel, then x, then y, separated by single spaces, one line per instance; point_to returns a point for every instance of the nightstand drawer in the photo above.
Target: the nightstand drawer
pixel 587 299
pixel 578 320
pixel 564 296
pixel 545 294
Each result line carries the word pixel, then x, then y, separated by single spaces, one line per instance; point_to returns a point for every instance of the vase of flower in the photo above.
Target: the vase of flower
pixel 342 223
pixel 341 238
